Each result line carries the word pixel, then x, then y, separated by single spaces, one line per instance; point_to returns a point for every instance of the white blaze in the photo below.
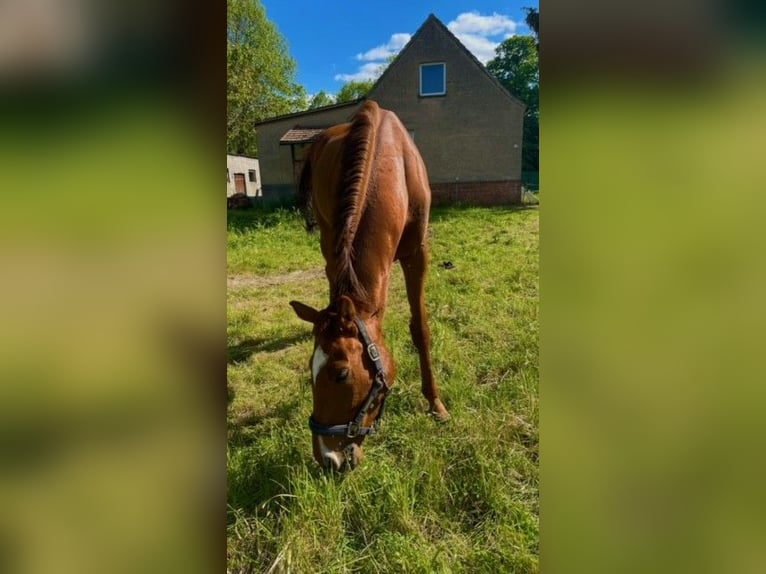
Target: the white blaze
pixel 317 362
pixel 336 457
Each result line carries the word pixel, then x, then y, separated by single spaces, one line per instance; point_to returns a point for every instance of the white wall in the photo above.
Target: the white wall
pixel 243 165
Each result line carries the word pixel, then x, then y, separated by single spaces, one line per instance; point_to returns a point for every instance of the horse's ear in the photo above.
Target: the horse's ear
pixel 304 311
pixel 347 310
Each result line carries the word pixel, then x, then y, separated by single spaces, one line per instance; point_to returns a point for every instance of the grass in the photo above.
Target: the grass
pixel 461 496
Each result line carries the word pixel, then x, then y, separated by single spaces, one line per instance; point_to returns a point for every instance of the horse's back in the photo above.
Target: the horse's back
pixel 408 180
pixel 397 194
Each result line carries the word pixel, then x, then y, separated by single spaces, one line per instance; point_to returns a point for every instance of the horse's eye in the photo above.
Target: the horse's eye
pixel 342 376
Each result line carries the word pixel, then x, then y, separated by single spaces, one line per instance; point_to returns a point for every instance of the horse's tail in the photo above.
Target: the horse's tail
pixel 357 162
pixel 305 197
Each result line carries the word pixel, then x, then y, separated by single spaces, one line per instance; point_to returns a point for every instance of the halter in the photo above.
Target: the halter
pixel 355 428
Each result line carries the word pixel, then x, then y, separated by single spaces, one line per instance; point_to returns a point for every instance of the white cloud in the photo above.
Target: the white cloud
pixel 482 48
pixel 475 23
pixel 368 71
pixel 384 51
pixel 479 34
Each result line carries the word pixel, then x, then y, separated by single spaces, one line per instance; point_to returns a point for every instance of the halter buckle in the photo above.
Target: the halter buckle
pixel 353 429
pixel 372 351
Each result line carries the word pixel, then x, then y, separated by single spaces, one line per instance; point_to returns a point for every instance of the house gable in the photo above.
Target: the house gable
pixel 473 132
pixel 434 43
pixel 468 130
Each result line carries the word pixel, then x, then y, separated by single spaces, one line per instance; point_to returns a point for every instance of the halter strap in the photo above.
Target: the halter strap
pixel 355 428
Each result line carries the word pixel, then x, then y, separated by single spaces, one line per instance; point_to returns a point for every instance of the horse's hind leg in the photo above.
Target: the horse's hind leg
pixel 414 268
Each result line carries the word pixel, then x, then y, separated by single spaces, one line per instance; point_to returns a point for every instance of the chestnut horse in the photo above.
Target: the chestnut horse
pixel 366 185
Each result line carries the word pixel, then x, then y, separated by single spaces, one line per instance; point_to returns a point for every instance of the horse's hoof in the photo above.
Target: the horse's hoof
pixel 439 411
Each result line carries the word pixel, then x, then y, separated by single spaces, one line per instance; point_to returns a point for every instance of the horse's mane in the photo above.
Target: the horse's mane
pixel 356 166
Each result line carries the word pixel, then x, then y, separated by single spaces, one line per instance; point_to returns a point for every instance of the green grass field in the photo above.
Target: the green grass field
pixel 460 496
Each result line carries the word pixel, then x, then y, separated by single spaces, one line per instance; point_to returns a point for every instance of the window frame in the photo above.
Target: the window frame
pixel 444 79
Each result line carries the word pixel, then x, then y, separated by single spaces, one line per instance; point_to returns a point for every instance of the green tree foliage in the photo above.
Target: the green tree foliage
pixel 354 90
pixel 321 99
pixel 533 21
pixel 260 74
pixel 516 67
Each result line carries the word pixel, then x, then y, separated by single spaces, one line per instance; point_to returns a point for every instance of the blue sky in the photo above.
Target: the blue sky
pixel 333 41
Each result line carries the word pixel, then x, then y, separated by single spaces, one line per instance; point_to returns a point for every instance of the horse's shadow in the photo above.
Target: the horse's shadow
pixel 262 475
pixel 243 429
pixel 242 351
pixel 261 479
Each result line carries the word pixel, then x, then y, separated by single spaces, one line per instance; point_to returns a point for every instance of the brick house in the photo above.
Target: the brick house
pixel 467 126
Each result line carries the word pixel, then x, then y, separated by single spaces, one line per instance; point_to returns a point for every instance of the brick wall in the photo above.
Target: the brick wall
pixel 477 193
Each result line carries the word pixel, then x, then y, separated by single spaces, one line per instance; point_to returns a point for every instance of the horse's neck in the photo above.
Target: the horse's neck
pixel 374 324
pixel 371 313
pixel 377 290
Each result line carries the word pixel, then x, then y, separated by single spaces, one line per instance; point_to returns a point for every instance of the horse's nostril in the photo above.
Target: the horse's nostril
pixel 341 376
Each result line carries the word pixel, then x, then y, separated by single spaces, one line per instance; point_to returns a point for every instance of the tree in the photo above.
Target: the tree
pixel 516 67
pixel 533 21
pixel 260 79
pixel 321 99
pixel 354 90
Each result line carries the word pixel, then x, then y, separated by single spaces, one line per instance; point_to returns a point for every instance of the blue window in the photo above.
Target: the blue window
pixel 433 79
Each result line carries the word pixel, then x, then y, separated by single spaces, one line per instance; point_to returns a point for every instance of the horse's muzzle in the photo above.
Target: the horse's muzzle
pixel 346 459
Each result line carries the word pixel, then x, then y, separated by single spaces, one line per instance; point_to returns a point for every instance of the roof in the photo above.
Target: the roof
pixel 239 155
pixel 308 112
pixel 432 19
pixel 300 135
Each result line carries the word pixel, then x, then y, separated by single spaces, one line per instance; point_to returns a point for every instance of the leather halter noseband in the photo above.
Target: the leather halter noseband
pixel 355 428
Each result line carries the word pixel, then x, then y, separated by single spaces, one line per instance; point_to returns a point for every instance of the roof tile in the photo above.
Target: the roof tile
pixel 300 135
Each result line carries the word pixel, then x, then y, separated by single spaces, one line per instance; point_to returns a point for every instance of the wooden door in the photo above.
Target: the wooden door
pixel 239 183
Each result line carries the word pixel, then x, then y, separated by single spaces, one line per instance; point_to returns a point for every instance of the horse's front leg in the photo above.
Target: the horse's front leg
pixel 414 268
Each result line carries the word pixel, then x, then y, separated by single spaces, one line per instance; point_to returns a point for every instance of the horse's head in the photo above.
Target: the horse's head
pixel 350 375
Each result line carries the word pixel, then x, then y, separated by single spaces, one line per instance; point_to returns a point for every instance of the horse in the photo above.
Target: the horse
pixel 365 185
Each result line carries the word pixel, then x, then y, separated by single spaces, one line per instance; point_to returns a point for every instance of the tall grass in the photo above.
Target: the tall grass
pixel 460 496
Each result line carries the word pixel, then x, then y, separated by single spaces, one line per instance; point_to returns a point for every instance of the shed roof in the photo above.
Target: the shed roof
pixel 300 135
pixel 310 112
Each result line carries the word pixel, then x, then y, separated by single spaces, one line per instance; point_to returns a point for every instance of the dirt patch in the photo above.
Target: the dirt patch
pixel 260 281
